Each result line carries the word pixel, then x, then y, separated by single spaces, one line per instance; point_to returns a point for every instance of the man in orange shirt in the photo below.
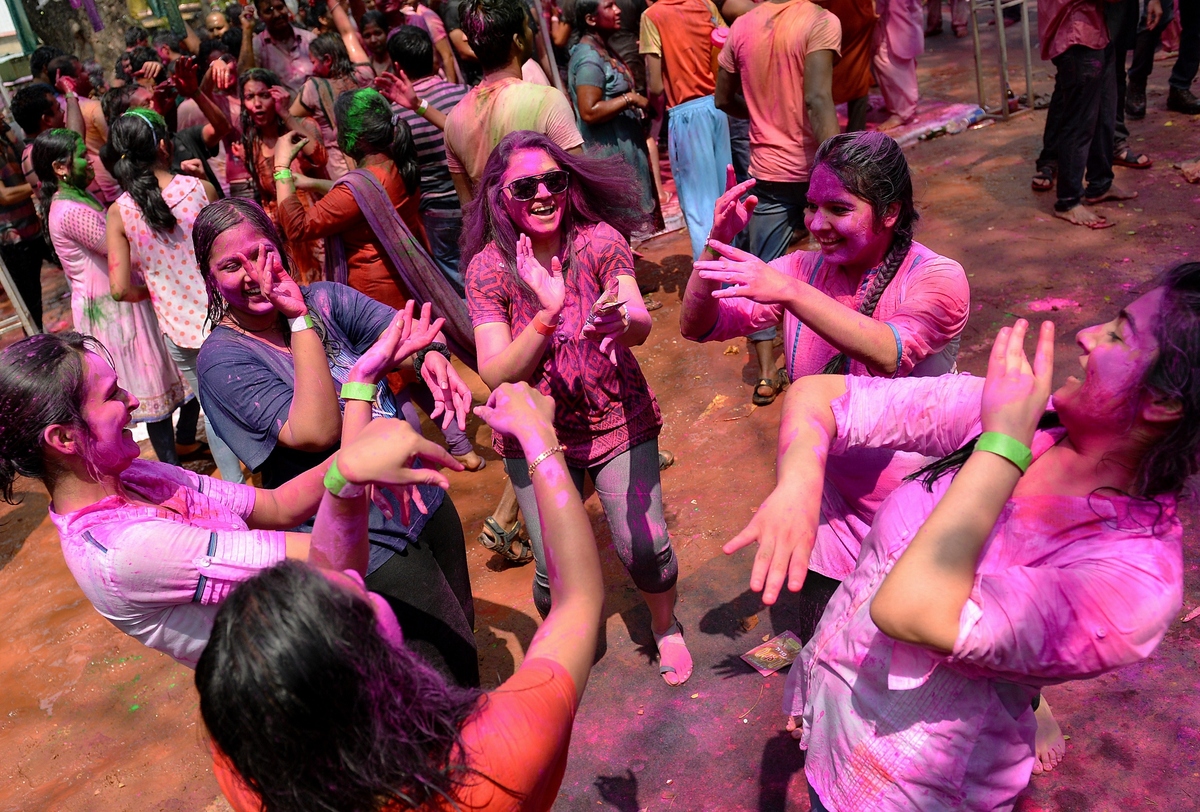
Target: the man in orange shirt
pixel 679 67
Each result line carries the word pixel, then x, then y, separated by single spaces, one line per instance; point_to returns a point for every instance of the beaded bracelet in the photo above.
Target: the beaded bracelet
pixel 1002 445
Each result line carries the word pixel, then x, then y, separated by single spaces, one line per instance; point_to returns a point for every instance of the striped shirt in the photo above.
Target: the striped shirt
pixel 437 188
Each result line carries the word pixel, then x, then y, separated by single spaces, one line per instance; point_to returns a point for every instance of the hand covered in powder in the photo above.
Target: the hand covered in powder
pixel 549 286
pixel 451 395
pixel 1014 393
pixel 518 410
pixel 732 214
pixel 745 275
pixel 275 284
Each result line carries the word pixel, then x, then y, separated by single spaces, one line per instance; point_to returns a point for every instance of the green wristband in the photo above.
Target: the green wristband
pixel 338 485
pixel 1005 446
pixel 354 390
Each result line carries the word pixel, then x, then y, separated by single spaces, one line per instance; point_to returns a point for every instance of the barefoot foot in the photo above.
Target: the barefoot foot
pixel 1113 193
pixel 890 123
pixel 1049 745
pixel 471 461
pixel 793 728
pixel 1081 215
pixel 674 659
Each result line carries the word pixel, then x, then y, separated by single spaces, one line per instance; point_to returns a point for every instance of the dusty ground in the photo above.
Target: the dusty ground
pixel 91 720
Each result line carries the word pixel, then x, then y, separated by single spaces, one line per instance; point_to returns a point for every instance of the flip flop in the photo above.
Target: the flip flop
pixel 1132 160
pixel 673 655
pixel 502 542
pixel 1043 181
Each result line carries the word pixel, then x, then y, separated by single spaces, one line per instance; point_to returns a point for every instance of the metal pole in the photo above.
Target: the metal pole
pixel 974 8
pixel 1028 54
pixel 1002 35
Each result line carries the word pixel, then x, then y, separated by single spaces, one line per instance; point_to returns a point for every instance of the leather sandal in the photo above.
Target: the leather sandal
pixel 508 544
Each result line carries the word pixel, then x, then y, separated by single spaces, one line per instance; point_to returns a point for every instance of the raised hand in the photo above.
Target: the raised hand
pixel 150 70
pixel 451 395
pixel 420 334
pixel 224 74
pixel 65 84
pixel 747 276
pixel 288 146
pixel 397 88
pixel 549 286
pixel 514 409
pixel 275 284
pixel 282 99
pixel 193 167
pixel 1015 393
pixel 732 214
pixel 185 79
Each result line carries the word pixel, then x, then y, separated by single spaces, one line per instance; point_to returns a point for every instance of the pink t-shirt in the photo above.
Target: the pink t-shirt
pixel 1066 588
pixel 1063 23
pixel 292 65
pixel 493 110
pixel 157 567
pixel 926 305
pixel 168 261
pixel 766 48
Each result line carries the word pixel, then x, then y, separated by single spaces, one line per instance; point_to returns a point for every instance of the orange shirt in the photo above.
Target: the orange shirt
pixel 687 49
pixel 370 269
pixel 517 740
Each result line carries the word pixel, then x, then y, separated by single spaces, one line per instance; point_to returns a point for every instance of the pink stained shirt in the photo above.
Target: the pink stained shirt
pixel 766 48
pixel 926 305
pixel 292 65
pixel 1066 588
pixel 1063 23
pixel 157 568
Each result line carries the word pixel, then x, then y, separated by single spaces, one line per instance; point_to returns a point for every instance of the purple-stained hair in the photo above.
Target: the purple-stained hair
pixel 602 190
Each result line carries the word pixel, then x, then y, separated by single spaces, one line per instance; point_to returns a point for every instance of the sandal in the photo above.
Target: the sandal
pixel 1043 181
pixel 508 544
pixel 651 304
pixel 665 460
pixel 1128 158
pixel 673 655
pixel 776 386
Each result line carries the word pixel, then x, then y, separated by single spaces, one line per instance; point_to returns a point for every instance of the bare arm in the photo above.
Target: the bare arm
pixel 818 95
pixel 120 264
pixel 246 55
pixel 191 42
pixel 504 359
pixel 729 97
pixel 594 109
pixel 785 525
pixel 462 185
pixel 12 195
pixel 461 47
pixel 446 54
pixel 569 633
pixel 349 34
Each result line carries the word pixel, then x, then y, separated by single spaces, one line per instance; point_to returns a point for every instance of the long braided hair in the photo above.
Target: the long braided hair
pixel 871 166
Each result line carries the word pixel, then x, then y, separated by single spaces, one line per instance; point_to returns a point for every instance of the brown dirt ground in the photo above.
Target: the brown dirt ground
pixel 91 720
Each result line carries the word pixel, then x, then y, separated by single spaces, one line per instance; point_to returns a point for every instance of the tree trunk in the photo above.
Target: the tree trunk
pixel 57 24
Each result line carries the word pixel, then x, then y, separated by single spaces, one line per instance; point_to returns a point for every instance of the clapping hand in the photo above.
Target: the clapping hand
pixel 732 214
pixel 747 276
pixel 1015 393
pixel 402 337
pixel 275 284
pixel 549 286
pixel 514 409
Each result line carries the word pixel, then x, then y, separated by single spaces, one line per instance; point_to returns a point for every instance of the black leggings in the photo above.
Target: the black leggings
pixel 429 588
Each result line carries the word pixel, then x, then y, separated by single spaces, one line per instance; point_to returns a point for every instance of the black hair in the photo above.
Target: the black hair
pixel 115 102
pixel 169 39
pixel 233 40
pixel 871 166
pixel 1166 465
pixel 490 26
pixel 48 148
pixel 331 45
pixel 120 67
pixel 31 104
pixel 65 65
pixel 141 55
pixel 131 154
pixel 365 126
pixel 373 17
pixel 583 10
pixel 135 34
pixel 315 709
pixel 40 59
pixel 208 46
pixel 250 134
pixel 42 384
pixel 411 48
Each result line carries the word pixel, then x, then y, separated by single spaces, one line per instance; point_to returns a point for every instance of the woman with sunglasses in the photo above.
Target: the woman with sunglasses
pixel 554 300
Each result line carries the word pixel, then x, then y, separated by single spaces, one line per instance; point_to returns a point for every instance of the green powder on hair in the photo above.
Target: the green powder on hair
pixel 356 114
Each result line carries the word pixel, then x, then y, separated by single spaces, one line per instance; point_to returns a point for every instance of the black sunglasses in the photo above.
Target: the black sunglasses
pixel 526 189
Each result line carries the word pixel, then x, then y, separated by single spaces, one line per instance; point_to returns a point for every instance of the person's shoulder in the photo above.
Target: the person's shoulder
pixel 923 259
pixel 304 34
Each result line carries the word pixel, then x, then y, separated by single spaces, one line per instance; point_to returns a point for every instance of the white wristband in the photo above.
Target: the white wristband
pixel 300 323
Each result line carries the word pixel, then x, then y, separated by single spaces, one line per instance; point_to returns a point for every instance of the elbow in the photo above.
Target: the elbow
pixel 892 619
pixel 120 294
pixel 723 102
pixel 589 116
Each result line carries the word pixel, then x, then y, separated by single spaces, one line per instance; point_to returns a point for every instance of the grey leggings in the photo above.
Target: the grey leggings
pixel 631 492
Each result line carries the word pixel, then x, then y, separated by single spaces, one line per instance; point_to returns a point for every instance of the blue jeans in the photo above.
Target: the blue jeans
pixel 227 461
pixel 443 228
pixel 779 213
pixel 698 145
pixel 630 491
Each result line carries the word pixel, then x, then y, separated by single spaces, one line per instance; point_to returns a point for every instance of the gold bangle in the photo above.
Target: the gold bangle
pixel 545 455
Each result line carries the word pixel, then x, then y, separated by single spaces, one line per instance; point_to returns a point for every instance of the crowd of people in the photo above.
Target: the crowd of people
pixel 295 225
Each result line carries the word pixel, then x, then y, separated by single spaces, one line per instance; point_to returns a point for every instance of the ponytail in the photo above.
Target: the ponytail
pixel 365 127
pixel 132 154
